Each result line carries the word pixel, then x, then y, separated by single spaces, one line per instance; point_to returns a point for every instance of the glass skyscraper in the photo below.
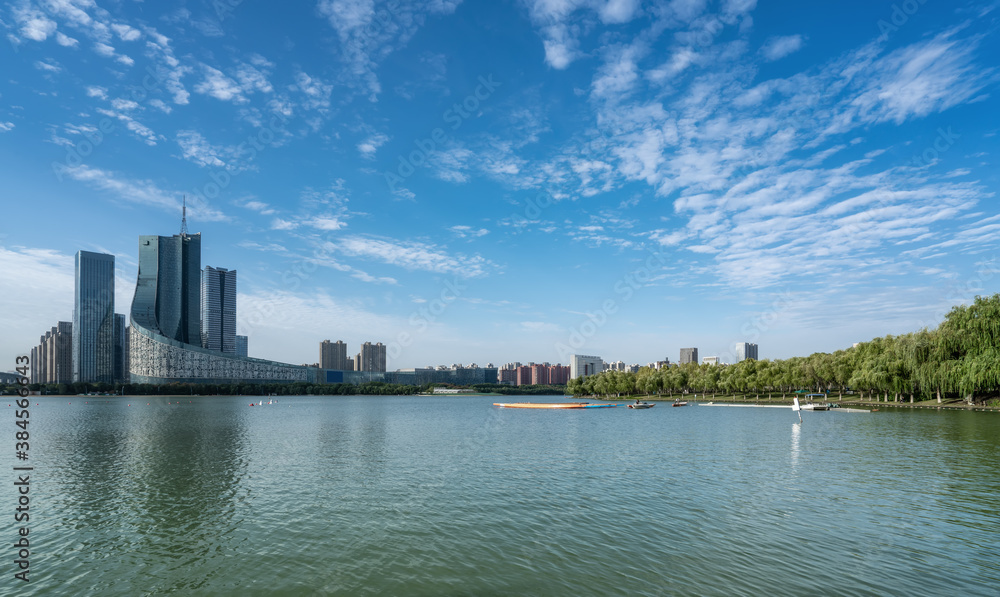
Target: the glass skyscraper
pixel 168 292
pixel 94 318
pixel 218 309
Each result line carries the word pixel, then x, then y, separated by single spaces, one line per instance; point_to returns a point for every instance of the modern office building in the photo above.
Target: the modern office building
pixel 745 350
pixel 710 360
pixel 689 355
pixel 584 365
pixel 242 346
pixel 168 293
pixel 218 309
pixel 121 349
pixel 94 317
pixel 333 355
pixel 165 323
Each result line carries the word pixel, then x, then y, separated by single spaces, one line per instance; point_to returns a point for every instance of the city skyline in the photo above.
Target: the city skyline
pixel 620 180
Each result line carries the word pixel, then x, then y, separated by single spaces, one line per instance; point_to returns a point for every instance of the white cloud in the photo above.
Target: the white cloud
pixel 34 24
pixel 412 255
pixel 369 146
pixel 462 231
pixel 50 67
pixel 260 207
pixel 144 192
pixel 776 48
pixel 104 49
pixel 369 32
pixel 144 132
pixel 65 40
pixel 126 32
pixel 97 91
pixel 219 86
pixel 197 149
pixel 6 126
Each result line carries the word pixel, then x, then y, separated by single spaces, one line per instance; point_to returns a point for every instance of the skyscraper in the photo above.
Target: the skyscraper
pixel 242 346
pixel 689 355
pixel 218 309
pixel 746 350
pixel 168 291
pixel 333 355
pixel 94 318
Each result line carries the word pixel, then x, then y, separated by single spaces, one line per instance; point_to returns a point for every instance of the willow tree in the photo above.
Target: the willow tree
pixel 971 334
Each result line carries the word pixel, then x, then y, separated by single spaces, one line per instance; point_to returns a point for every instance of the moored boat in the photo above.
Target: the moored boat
pixel 638 404
pixel 551 405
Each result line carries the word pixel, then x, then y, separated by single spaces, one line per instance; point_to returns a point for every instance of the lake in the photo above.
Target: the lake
pixel 452 496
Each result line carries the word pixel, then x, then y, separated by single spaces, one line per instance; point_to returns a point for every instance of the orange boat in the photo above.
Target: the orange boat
pixel 552 405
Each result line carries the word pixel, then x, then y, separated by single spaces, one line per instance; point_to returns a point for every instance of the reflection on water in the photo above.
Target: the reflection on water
pixel 796 432
pixel 442 496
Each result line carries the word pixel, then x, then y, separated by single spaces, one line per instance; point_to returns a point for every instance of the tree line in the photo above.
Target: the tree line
pixel 960 359
pixel 371 388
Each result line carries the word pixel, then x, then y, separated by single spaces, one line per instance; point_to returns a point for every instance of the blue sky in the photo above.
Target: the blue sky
pixel 500 181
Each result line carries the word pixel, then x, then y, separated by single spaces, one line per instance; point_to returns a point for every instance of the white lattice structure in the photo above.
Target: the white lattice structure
pixel 157 359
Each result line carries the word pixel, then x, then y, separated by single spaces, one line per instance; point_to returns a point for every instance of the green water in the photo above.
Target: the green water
pixel 451 496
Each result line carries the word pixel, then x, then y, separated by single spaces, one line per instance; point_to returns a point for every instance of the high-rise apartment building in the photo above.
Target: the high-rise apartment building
pixel 539 374
pixel 745 350
pixel 689 355
pixel 524 375
pixel 94 317
pixel 559 375
pixel 218 309
pixel 168 291
pixel 371 357
pixel 333 355
pixel 52 359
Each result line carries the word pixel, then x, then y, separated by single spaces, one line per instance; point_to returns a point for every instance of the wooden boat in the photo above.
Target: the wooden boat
pixel 679 403
pixel 642 405
pixel 551 405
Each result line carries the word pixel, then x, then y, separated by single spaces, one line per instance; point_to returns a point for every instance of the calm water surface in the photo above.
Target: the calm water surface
pixel 451 496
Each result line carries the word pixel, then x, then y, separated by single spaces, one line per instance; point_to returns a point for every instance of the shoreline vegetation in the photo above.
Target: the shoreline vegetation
pixel 959 362
pixel 956 365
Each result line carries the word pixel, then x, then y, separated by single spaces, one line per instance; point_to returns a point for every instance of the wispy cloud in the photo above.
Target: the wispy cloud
pixel 412 256
pixel 777 48
pixel 144 192
pixel 369 31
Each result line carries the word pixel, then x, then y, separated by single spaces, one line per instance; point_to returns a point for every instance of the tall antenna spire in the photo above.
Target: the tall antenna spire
pixel 184 218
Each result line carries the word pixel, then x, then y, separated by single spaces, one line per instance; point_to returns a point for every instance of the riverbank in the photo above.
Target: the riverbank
pixel 787 401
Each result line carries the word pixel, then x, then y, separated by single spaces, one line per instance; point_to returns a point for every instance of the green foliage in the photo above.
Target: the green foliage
pixel 960 359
